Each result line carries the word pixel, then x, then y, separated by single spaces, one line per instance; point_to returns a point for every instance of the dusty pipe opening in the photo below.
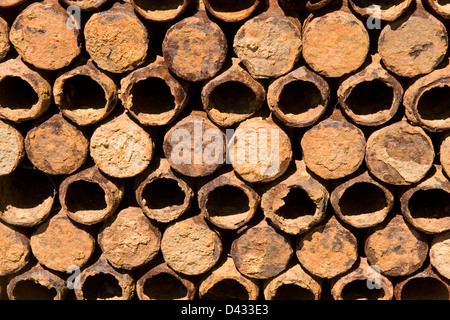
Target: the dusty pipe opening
pixel 152 96
pixel 433 106
pixel 173 287
pixel 228 202
pixel 31 290
pixel 297 203
pixel 293 292
pixel 227 289
pixel 362 198
pixel 388 10
pixel 85 195
pixel 160 10
pixel 162 193
pixel 358 290
pixel 160 5
pixel 231 10
pixel 17 94
pixel 370 97
pixel 432 204
pixel 233 97
pixel 101 286
pixel 424 289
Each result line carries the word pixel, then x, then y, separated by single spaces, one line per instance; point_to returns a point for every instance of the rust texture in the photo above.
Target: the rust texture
pixel 225 282
pixel 372 96
pixel 86 5
pixel 12 148
pixel 440 253
pixel 56 147
pixel 225 109
pixel 43 38
pixel 270 43
pixel 10 3
pixel 4 38
pixel 444 154
pixel 24 93
pixel 116 40
pixel 152 95
pixel 190 246
pixel 296 201
pixel 260 251
pixel 440 7
pixel 85 94
pixel 89 196
pixel 408 53
pixel 334 148
pixel 300 98
pixel 195 48
pixel 160 11
pixel 14 249
pixel 231 11
pixel 176 285
pixel 362 201
pixel 399 154
pixel 389 10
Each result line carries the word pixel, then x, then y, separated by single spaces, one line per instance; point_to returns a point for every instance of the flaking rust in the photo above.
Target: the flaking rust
pixel 15 249
pixel 231 10
pixel 442 8
pixel 386 10
pixel 160 11
pixel 4 38
pixel 12 148
pixel 440 253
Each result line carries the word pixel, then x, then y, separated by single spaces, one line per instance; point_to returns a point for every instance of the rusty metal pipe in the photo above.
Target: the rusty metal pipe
pixel 160 10
pixel 15 251
pixel 384 10
pixel 231 11
pixel 439 253
pixel 12 149
pixel 4 37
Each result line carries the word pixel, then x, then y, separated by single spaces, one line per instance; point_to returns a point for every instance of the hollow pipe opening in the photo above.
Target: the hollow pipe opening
pixel 101 286
pixel 162 193
pixel 424 289
pixel 30 290
pixel 17 94
pixel 297 203
pixel 164 286
pixel 293 292
pixel 370 98
pixel 160 5
pixel 228 202
pixel 227 289
pixel 433 104
pixel 300 97
pixel 233 97
pixel 231 6
pixel 362 198
pixel 382 4
pixel 152 96
pixel 358 290
pixel 85 195
pixel 429 204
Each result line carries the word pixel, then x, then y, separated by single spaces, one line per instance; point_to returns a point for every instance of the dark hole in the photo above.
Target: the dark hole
pixel 159 5
pixel 25 189
pixel 358 290
pixel 430 204
pixel 233 97
pixel 434 104
pixel 370 97
pixel 227 289
pixel 164 286
pixel 101 286
pixel 152 96
pixel 231 5
pixel 84 195
pixel 30 290
pixel 297 203
pixel 226 201
pixel 443 2
pixel 384 5
pixel 82 92
pixel 293 292
pixel 162 193
pixel 424 289
pixel 362 198
pixel 16 93
pixel 299 97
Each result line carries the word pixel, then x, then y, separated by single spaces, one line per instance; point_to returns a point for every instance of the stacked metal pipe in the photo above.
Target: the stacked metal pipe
pixel 217 149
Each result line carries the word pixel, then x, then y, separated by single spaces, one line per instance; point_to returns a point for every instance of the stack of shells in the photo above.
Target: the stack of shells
pixel 135 138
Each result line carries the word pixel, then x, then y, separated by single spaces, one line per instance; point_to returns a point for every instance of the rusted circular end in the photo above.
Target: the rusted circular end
pixel 89 197
pixel 293 284
pixel 261 252
pixel 4 37
pixel 334 148
pixel 37 284
pixel 232 97
pixel 142 242
pixel 85 95
pixel 399 154
pixel 14 249
pixel 121 148
pixel 362 202
pixel 408 53
pixel 162 283
pixel 231 11
pixel 342 50
pixel 195 48
pixel 227 201
pixel 85 5
pixel 444 154
pixel 425 285
pixel 101 281
pixel 296 202
pixel 357 94
pixel 24 93
pixel 26 197
pixel 225 282
pixel 194 146
pixel 363 283
pixel 55 146
pixel 269 44
pixel 384 10
pixel 442 8
pixel 152 95
pixel 10 3
pixel 59 244
pixel 160 10
pixel 299 98
pixel 440 253
pixel 43 38
pixel 425 205
pixel 12 148
pixel 163 194
pixel 116 39
pixel 396 248
pixel 327 250
pixel 189 246
pixel 259 150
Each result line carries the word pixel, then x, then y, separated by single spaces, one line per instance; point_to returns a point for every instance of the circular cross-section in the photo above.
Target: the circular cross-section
pixel 231 11
pixel 388 10
pixel 160 10
pixel 14 250
pixel 12 148
pixel 440 253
